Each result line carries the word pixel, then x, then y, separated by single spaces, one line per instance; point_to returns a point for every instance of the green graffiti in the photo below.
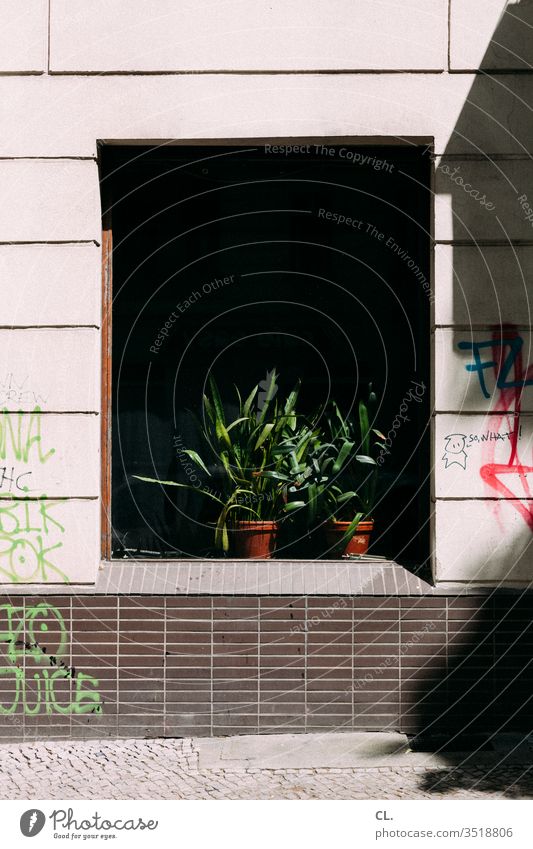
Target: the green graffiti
pixel 23 631
pixel 20 433
pixel 29 534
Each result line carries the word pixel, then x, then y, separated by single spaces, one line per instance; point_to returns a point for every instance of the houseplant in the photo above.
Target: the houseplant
pixel 354 476
pixel 252 456
pixel 338 487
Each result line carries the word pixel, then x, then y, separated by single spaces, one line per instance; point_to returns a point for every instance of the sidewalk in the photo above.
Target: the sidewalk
pixel 284 766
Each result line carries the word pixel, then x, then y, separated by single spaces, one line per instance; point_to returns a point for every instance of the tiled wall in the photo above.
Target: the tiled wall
pixel 212 665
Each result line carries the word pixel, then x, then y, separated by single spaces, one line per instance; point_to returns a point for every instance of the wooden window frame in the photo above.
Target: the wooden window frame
pixel 106 385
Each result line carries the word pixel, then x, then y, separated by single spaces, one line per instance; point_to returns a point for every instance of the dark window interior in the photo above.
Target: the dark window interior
pixel 236 241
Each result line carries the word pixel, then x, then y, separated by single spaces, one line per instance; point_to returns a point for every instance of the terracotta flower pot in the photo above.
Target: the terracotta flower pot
pixel 254 540
pixel 358 543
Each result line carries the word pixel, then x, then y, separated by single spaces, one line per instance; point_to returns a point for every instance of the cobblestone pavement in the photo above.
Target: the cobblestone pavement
pixel 169 769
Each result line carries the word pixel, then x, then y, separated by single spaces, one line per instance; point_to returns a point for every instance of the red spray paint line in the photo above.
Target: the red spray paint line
pixel 509 399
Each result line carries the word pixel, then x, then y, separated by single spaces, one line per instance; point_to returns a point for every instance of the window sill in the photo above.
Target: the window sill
pixel 371 576
pixel 366 577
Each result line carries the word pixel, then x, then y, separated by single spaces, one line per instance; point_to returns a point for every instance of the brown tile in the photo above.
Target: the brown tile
pixel 374 604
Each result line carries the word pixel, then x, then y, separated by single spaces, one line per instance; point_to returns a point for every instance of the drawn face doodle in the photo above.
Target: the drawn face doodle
pixel 454 450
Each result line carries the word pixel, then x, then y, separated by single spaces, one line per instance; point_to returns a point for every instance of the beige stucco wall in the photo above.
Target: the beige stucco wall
pixel 132 70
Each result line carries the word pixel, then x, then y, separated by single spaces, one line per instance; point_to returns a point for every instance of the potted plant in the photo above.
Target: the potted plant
pixel 252 456
pixel 354 479
pixel 339 485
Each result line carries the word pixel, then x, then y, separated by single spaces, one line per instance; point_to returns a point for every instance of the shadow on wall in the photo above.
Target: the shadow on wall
pixel 478 690
pixel 480 686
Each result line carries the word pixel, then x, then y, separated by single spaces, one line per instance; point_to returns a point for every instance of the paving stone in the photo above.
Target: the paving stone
pixel 168 769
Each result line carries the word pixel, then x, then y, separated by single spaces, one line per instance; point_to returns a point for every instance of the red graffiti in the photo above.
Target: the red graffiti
pixel 514 472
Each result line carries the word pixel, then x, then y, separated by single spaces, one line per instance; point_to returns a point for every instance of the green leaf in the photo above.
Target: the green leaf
pixel 181 485
pixel 276 476
pixel 350 531
pixel 221 532
pixel 156 480
pixel 344 430
pixel 197 459
pixel 282 450
pixel 344 453
pixel 346 496
pixel 364 458
pixel 242 507
pixel 312 505
pixel 291 506
pixel 269 395
pixel 365 427
pixel 219 409
pixel 227 466
pixel 209 409
pixel 249 401
pixel 291 399
pixel 236 422
pixel 353 526
pixel 263 436
pixel 222 433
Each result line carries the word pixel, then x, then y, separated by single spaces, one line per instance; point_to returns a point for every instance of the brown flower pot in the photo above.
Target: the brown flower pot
pixel 254 540
pixel 358 543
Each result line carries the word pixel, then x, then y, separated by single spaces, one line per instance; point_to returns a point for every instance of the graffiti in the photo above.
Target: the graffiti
pixel 9 480
pixel 457 444
pixel 37 669
pixel 509 480
pixel 29 532
pixel 454 450
pixel 69 671
pixel 502 366
pixel 18 394
pixel 492 436
pixel 20 436
pixel 28 535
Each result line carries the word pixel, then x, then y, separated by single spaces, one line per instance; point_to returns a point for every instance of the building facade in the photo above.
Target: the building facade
pixel 94 646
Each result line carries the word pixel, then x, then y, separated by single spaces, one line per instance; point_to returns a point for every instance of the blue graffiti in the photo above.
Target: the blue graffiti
pixel 515 347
